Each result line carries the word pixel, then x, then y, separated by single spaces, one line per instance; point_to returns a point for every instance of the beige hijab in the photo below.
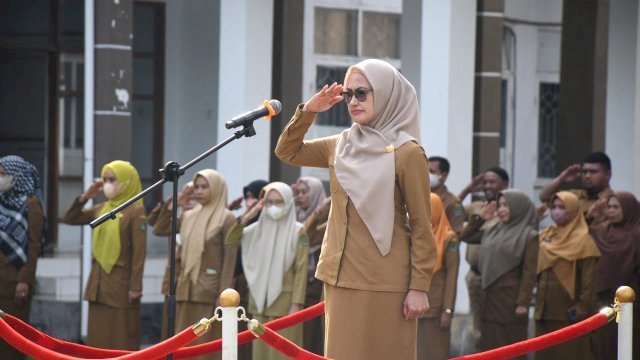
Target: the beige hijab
pixel 562 246
pixel 269 248
pixel 364 159
pixel 203 222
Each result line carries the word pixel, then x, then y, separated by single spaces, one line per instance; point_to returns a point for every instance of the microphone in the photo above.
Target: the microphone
pixel 268 109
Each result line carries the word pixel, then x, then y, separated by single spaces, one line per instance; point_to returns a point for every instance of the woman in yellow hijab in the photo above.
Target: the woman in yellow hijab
pixel 566 269
pixel 119 247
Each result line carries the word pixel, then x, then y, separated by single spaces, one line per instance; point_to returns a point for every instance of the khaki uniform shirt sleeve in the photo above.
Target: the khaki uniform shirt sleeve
pixel 451 264
pixel 230 255
pixel 294 150
pixel 138 248
pixel 35 221
pixel 162 225
pixel 77 215
pixel 456 215
pixel 529 271
pixel 300 266
pixel 234 236
pixel 414 185
pixel 471 233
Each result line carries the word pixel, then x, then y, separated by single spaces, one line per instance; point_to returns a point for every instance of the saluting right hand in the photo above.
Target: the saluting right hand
pixel 252 212
pixel 93 190
pixel 571 173
pixel 324 99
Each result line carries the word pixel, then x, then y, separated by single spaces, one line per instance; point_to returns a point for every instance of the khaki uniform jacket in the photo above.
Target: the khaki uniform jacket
pixel 553 301
pixel 442 294
pixel 349 257
pixel 113 289
pixel 453 208
pixel 160 220
pixel 217 263
pixel 294 282
pixel 513 288
pixel 9 275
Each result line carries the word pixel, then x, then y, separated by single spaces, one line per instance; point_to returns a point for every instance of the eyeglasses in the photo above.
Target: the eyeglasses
pixel 360 94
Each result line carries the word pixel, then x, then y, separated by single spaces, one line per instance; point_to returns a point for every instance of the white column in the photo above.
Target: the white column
pixel 444 79
pixel 87 173
pixel 623 98
pixel 246 35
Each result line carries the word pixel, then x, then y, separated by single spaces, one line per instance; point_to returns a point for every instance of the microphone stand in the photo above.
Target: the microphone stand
pixel 171 173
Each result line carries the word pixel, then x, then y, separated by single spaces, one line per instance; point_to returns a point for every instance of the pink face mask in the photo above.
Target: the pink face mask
pixel 559 216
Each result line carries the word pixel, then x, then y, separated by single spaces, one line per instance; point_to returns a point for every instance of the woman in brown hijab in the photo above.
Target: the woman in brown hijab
pixel 619 242
pixel 378 253
pixel 566 268
pixel 508 257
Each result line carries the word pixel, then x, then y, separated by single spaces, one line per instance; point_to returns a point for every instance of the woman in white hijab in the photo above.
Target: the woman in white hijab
pixel 274 259
pixel 379 252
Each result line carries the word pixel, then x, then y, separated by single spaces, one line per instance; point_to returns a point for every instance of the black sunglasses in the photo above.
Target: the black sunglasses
pixel 360 94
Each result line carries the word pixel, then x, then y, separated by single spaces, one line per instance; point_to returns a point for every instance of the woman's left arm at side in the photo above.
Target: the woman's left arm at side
pixel 300 264
pixel 451 266
pixel 138 252
pixel 412 173
pixel 586 270
pixel 27 274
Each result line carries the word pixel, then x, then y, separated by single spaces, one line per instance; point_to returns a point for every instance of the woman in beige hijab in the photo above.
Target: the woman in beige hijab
pixel 205 264
pixel 566 268
pixel 378 254
pixel 274 260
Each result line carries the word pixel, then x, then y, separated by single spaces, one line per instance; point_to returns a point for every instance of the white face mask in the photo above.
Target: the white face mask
pixel 434 180
pixel 111 189
pixel 275 212
pixel 6 183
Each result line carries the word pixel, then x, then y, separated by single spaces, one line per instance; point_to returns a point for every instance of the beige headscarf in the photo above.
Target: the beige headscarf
pixel 562 246
pixel 316 197
pixel 364 159
pixel 269 248
pixel 203 222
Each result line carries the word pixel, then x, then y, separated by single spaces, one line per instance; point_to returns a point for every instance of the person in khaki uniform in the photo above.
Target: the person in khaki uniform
pixel 439 168
pixel 507 262
pixel 594 173
pixel 566 269
pixel 21 230
pixel 274 256
pixel 434 327
pixel 378 253
pixel 206 264
pixel 114 287
pixel 492 181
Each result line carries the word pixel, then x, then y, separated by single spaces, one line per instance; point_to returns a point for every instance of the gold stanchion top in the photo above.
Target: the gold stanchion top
pixel 625 294
pixel 229 298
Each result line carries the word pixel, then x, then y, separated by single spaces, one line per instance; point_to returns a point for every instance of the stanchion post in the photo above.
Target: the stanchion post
pixel 624 304
pixel 229 301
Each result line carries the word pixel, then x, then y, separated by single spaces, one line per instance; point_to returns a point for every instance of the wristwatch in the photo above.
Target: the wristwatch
pixel 448 311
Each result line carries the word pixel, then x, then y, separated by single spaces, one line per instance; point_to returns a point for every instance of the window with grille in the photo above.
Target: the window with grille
pixel 547 117
pixel 345 36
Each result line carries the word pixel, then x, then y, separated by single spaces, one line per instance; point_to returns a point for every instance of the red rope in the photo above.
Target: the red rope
pixel 541 342
pixel 83 351
pixel 287 347
pixel 28 347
